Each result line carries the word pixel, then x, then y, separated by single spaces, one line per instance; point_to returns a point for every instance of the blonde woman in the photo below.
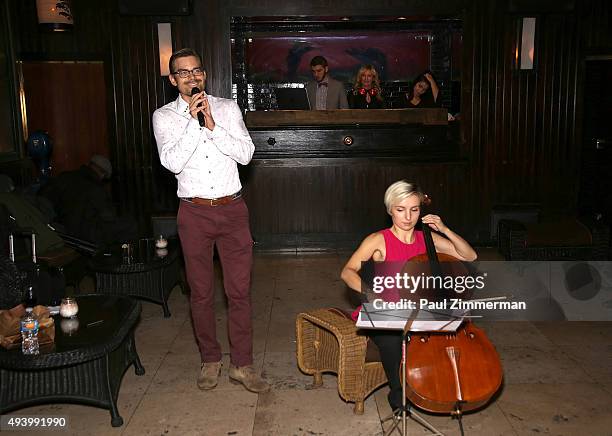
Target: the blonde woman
pixel 399 243
pixel 366 93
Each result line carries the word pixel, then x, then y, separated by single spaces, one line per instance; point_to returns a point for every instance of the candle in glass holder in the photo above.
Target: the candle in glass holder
pixel 69 325
pixel 161 242
pixel 69 307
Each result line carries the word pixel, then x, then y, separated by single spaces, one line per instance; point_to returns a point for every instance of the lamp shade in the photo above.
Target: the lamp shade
pixel 527 43
pixel 164 35
pixel 54 15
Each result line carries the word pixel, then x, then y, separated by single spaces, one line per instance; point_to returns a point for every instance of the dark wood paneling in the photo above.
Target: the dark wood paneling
pixel 419 143
pixel 596 16
pixel 521 127
pixel 321 202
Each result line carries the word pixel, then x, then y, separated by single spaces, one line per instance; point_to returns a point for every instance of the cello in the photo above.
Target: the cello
pixel 450 373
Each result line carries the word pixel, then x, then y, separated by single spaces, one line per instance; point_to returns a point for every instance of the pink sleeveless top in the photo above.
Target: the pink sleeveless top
pixel 398 251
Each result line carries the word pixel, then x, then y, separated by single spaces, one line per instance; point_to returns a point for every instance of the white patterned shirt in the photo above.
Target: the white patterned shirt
pixel 203 161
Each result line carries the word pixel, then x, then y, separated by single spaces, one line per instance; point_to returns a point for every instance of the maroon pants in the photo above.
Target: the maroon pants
pixel 200 228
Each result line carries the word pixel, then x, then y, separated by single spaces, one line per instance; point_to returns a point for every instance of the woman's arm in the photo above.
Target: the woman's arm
pixel 365 252
pixel 434 86
pixel 455 245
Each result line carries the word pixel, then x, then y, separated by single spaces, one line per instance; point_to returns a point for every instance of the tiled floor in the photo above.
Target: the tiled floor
pixel 558 376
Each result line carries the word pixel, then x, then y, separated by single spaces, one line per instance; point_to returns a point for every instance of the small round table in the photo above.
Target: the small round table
pixel 146 273
pixel 85 364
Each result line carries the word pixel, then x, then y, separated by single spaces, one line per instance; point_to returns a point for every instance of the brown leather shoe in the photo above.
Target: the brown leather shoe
pixel 249 378
pixel 209 375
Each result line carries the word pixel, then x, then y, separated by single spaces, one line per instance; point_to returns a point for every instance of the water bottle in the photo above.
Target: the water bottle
pixel 29 333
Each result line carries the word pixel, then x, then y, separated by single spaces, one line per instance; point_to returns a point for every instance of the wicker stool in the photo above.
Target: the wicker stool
pixel 327 341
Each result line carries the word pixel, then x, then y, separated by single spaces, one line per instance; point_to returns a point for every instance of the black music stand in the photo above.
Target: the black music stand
pixel 390 320
pixel 401 415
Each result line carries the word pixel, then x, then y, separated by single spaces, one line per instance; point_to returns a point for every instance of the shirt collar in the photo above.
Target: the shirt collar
pixel 182 107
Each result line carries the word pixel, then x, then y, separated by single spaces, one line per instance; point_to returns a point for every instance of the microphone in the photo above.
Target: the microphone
pixel 201 120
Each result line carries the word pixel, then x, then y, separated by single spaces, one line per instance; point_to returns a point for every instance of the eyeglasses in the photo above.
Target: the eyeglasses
pixel 186 73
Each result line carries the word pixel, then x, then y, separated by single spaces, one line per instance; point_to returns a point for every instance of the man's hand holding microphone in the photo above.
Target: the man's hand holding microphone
pixel 200 109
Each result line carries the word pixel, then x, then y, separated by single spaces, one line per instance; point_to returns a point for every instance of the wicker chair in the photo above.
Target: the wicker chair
pixel 327 341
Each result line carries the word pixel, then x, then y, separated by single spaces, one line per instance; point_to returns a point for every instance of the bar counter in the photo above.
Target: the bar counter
pixel 317 178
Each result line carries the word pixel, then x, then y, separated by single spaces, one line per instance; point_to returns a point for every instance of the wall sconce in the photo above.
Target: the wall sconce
pixel 164 38
pixel 525 46
pixel 54 15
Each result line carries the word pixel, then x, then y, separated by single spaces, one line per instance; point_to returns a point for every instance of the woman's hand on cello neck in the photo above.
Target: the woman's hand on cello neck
pixel 453 244
pixel 435 222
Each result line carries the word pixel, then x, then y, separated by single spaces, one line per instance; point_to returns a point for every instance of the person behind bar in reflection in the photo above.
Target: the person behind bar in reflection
pixel 324 93
pixel 366 93
pixel 203 154
pixel 400 243
pixel 423 93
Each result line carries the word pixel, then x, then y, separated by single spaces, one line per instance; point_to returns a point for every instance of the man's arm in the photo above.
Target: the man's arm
pixel 175 143
pixel 233 141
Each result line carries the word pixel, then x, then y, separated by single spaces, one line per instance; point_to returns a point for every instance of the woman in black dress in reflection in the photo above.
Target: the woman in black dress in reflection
pixel 366 93
pixel 423 93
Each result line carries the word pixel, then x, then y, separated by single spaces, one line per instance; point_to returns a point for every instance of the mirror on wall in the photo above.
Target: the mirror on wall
pixel 272 52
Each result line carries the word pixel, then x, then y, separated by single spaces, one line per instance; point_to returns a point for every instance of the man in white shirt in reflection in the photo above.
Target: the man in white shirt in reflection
pixel 324 93
pixel 201 139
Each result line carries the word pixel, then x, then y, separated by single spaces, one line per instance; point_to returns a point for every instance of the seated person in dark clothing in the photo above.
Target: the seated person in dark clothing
pixel 366 93
pixel 84 207
pixel 19 214
pixel 423 93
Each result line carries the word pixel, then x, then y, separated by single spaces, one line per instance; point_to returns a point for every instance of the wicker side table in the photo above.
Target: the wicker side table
pixel 85 366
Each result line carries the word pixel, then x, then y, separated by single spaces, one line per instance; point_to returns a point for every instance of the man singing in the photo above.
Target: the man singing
pixel 324 93
pixel 200 138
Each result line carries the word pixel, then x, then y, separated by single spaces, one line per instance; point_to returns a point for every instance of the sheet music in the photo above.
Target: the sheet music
pixel 395 319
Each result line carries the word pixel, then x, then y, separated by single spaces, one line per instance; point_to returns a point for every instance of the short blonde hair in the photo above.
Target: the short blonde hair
pixel 400 190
